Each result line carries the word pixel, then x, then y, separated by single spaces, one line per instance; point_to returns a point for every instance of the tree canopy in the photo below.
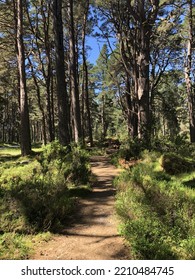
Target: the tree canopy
pixel 141 86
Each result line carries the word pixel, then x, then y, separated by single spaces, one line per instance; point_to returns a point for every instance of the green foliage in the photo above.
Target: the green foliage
pixel 34 204
pixel 107 116
pixel 179 145
pixel 37 194
pixel 15 246
pixel 157 211
pixel 72 165
pixel 175 164
pixel 130 149
pixel 77 165
pixel 168 103
pixel 34 194
pixel 53 153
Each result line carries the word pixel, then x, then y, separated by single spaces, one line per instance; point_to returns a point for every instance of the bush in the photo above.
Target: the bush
pixel 175 164
pixel 130 150
pixel 157 212
pixel 77 167
pixel 35 196
pixel 72 164
pixel 179 145
pixel 34 205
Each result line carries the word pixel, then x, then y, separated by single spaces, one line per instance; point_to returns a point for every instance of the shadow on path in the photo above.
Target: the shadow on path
pixel 92 231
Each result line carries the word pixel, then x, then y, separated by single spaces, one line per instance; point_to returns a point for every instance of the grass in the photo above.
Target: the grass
pixel 15 246
pixel 97 151
pixel 10 154
pixel 157 210
pixel 37 194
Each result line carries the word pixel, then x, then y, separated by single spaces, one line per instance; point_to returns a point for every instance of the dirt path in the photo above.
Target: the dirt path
pixel 93 235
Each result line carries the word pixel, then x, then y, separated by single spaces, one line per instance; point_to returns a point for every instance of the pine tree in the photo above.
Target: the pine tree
pixel 24 113
pixel 61 86
pixel 188 71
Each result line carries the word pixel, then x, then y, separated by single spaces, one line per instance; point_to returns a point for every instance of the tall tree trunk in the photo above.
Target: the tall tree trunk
pixel 143 86
pixel 188 72
pixel 39 102
pixel 74 77
pixel 45 67
pixel 132 116
pixel 85 86
pixel 52 105
pixel 24 113
pixel 135 53
pixel 51 135
pixel 104 129
pixel 47 72
pixel 61 87
pixel 89 125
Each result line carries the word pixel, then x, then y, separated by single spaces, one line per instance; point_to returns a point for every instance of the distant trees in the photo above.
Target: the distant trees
pixel 54 92
pixel 39 44
pixel 134 24
pixel 100 77
pixel 147 33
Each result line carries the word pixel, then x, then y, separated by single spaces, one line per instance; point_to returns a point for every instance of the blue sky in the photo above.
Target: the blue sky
pixel 96 46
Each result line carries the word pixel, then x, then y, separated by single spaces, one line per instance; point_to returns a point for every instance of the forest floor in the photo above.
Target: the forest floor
pixel 92 233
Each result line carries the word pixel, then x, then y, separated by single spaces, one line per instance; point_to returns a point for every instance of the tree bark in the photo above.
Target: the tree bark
pixel 43 44
pixel 74 77
pixel 24 113
pixel 143 61
pixel 143 87
pixel 188 72
pixel 135 40
pixel 39 102
pixel 85 86
pixel 61 86
pixel 132 114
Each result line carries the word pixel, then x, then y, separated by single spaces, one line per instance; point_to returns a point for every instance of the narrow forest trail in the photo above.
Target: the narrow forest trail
pixel 93 235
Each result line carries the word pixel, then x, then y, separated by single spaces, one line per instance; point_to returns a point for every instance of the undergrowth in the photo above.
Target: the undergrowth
pixel 157 210
pixel 37 194
pixel 16 246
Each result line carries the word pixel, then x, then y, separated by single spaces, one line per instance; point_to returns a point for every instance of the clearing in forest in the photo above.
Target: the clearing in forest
pixel 92 235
